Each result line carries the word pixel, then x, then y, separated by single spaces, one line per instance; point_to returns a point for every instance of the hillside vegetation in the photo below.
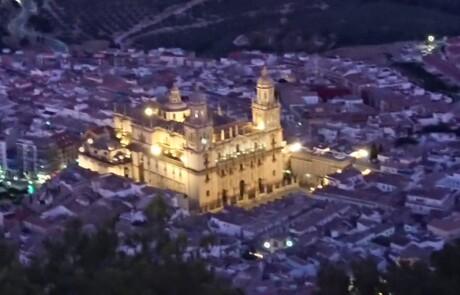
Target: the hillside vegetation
pixel 211 26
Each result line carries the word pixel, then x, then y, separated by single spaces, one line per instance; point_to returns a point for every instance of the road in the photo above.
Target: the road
pixel 124 39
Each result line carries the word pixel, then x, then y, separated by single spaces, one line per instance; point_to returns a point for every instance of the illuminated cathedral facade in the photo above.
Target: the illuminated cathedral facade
pixel 212 160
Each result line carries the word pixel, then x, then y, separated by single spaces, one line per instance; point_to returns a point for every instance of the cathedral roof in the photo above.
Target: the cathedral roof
pixel 175 102
pixel 138 116
pixel 198 97
pixel 265 81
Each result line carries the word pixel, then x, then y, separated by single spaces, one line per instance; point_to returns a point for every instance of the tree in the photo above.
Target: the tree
pixel 92 264
pixel 447 268
pixel 157 211
pixel 366 276
pixel 332 280
pixel 374 152
pixel 412 279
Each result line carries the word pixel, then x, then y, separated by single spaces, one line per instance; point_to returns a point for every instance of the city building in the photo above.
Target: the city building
pixel 3 156
pixel 212 159
pixel 447 228
pixel 40 157
pixel 425 201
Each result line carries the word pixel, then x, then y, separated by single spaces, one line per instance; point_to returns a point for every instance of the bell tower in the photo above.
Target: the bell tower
pixel 265 108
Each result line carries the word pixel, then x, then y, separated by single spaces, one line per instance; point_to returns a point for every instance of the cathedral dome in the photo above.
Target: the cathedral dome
pixel 175 99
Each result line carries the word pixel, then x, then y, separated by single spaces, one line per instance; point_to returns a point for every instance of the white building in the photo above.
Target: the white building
pixel 3 157
pixel 424 201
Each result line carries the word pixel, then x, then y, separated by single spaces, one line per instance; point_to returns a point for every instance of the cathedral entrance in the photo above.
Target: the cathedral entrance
pixel 242 188
pixel 261 185
pixel 269 188
pixel 224 198
pixel 141 170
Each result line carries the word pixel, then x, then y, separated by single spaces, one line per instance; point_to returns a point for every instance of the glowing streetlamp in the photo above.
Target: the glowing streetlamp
pixel 155 150
pixel 148 111
pixel 431 38
pixel 366 172
pixel 267 245
pixel 258 255
pixel 295 147
pixel 289 243
pixel 360 154
pixel 90 141
pixel 261 126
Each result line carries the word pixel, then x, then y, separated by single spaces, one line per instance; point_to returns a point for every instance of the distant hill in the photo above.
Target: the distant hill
pixel 211 26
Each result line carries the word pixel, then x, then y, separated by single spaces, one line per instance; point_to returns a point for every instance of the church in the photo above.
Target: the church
pixel 213 160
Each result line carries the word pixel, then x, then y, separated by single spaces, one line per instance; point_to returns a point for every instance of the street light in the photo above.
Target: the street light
pixel 155 150
pixel 267 245
pixel 289 243
pixel 148 111
pixel 431 38
pixel 366 172
pixel 295 147
pixel 261 126
pixel 360 154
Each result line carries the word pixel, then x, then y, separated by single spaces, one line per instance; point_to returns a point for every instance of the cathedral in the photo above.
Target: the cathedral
pixel 211 159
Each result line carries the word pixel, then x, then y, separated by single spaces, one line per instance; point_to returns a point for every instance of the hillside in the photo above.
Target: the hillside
pixel 215 26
